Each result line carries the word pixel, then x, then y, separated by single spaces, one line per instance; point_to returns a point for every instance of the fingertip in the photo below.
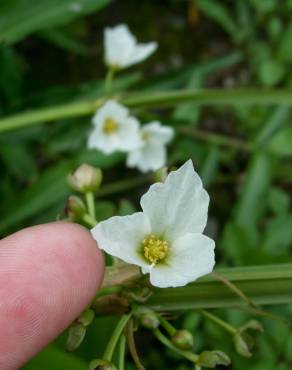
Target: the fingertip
pixel 49 273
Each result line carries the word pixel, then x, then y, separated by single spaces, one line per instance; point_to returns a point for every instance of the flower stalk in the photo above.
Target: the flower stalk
pixel 109 351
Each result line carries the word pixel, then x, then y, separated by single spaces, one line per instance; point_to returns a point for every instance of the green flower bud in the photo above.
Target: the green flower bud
pixel 149 320
pixel 75 208
pixel 75 336
pixel 243 343
pixel 85 178
pixel 183 339
pixel 160 175
pixel 211 359
pixel 86 317
pixel 101 365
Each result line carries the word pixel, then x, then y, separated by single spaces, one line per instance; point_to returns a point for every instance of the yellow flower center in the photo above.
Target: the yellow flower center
pixel 145 136
pixel 155 249
pixel 110 126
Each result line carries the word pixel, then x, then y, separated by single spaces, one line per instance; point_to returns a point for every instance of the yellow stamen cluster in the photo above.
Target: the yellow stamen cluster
pixel 110 126
pixel 155 249
pixel 145 136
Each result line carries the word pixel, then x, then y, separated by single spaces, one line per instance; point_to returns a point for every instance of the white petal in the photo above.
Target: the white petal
pixel 119 45
pixel 158 134
pixel 110 109
pixel 141 52
pixel 147 158
pixel 177 206
pixel 121 236
pixel 129 134
pixel 191 257
pixel 105 143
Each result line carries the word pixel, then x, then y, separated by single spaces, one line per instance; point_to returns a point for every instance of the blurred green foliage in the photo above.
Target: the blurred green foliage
pixel 51 52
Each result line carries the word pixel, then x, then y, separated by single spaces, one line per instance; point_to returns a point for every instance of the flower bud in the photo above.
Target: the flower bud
pixel 85 178
pixel 75 207
pixel 101 365
pixel 75 336
pixel 160 175
pixel 86 317
pixel 183 339
pixel 211 359
pixel 243 343
pixel 149 320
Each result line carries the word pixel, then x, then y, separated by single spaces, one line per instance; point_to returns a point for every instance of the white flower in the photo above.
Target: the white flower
pixel 152 154
pixel 122 49
pixel 114 129
pixel 165 239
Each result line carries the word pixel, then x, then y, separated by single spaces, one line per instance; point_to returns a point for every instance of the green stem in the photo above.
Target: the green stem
pixel 109 81
pixel 164 340
pixel 89 196
pixel 170 98
pixel 123 185
pixel 216 139
pixel 167 326
pixel 89 220
pixel 229 328
pixel 122 352
pixel 109 351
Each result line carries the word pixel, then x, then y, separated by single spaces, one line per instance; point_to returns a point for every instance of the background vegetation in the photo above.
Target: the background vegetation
pixel 51 53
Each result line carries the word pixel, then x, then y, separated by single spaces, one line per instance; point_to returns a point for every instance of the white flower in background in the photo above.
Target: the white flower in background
pixel 122 49
pixel 114 129
pixel 165 239
pixel 152 154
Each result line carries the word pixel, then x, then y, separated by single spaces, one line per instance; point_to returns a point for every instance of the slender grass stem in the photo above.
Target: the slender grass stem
pixel 216 139
pixel 233 97
pixel 109 351
pixel 122 352
pixel 164 340
pixel 109 81
pixel 167 326
pixel 89 196
pixel 227 327
pixel 90 221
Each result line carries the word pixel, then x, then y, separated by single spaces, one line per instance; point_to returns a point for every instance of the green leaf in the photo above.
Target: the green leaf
pixel 269 128
pixel 271 72
pixel 19 161
pixel 278 235
pixel 51 188
pixel 285 48
pixel 54 358
pixel 19 18
pixel 279 201
pixel 281 144
pixel 252 200
pixel 220 14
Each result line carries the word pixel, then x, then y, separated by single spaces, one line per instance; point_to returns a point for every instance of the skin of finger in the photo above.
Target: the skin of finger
pixel 48 274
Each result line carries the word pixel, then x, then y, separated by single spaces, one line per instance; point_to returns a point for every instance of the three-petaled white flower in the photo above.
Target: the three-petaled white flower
pixel 165 239
pixel 122 49
pixel 114 129
pixel 152 154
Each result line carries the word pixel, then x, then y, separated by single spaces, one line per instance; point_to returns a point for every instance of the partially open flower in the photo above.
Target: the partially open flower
pixel 122 49
pixel 114 129
pixel 151 156
pixel 165 239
